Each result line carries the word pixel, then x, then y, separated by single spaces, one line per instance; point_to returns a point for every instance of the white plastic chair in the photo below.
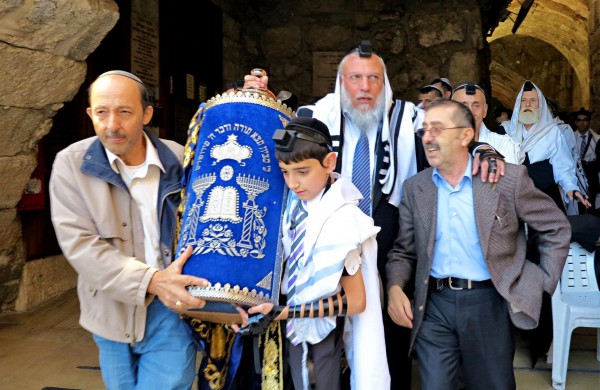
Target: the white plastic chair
pixel 575 303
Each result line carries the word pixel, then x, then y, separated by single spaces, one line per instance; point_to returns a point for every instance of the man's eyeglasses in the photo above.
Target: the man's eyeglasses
pixel 435 131
pixel 355 78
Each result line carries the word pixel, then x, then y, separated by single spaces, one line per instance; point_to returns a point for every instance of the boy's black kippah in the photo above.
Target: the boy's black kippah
pixel 311 124
pixel 318 132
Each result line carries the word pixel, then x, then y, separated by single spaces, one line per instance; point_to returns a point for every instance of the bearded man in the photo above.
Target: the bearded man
pixel 544 150
pixel 362 108
pixel 374 135
pixel 546 154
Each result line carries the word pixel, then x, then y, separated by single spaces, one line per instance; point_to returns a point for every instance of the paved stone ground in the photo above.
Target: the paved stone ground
pixel 48 350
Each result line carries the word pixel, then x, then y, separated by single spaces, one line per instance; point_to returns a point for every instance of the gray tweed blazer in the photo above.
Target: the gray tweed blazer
pixel 500 215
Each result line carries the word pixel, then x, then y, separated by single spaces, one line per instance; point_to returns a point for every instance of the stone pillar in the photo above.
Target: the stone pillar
pixel 594 50
pixel 43 47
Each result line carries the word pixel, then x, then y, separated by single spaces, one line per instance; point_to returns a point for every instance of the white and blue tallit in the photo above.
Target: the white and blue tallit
pixel 582 182
pixel 329 111
pixel 339 235
pixel 544 140
pixel 503 144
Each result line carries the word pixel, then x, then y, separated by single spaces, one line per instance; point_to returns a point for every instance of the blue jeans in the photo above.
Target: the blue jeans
pixel 164 359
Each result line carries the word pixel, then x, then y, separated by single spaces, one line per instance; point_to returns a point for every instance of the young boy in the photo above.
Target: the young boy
pixel 331 267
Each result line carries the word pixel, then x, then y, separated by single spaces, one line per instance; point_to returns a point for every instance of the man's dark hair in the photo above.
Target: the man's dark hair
pixel 583 111
pixel 552 106
pixel 303 138
pixel 462 115
pixel 444 82
pixel 429 88
pixel 500 110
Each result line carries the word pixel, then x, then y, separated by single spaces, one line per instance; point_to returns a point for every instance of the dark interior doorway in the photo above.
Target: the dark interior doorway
pixel 190 62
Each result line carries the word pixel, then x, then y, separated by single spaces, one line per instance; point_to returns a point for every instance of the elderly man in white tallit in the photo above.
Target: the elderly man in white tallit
pixel 544 149
pixel 546 154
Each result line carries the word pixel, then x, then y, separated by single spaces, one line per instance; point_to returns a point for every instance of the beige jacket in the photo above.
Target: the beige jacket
pixel 100 234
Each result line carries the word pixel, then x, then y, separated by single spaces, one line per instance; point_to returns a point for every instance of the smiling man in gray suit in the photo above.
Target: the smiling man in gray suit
pixel 465 243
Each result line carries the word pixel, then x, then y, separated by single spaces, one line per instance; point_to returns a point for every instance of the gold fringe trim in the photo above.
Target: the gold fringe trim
pixel 272 361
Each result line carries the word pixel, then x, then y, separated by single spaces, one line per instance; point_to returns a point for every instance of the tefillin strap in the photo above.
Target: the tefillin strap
pixel 332 306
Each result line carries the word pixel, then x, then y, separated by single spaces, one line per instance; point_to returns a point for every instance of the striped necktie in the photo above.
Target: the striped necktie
pixel 582 147
pixel 297 233
pixel 361 172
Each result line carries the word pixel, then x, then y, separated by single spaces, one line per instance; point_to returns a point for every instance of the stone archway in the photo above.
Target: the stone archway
pixel 516 58
pixel 563 24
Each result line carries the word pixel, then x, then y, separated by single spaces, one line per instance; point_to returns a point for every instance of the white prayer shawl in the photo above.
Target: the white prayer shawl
pixel 339 234
pixel 569 134
pixel 329 111
pixel 364 340
pixel 505 145
pixel 547 134
pixel 572 208
pixel 515 129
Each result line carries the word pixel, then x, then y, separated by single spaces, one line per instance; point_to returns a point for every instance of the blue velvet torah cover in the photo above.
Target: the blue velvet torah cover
pixel 233 202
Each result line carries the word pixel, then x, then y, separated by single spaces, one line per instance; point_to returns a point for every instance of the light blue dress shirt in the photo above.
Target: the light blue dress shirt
pixel 457 250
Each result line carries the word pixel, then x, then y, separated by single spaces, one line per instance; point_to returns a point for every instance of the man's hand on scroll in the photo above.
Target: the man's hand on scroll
pixel 169 285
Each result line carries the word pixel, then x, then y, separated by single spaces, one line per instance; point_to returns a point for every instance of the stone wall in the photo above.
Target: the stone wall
pixel 594 50
pixel 43 45
pixel 519 58
pixel 418 42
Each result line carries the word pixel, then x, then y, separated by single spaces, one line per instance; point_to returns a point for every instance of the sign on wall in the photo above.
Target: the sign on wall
pixel 325 64
pixel 144 43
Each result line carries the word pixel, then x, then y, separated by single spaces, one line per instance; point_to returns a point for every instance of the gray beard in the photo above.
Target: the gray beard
pixel 366 118
pixel 528 118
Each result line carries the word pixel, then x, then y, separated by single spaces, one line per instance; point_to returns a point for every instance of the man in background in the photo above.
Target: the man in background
pixel 587 147
pixel 443 84
pixel 428 94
